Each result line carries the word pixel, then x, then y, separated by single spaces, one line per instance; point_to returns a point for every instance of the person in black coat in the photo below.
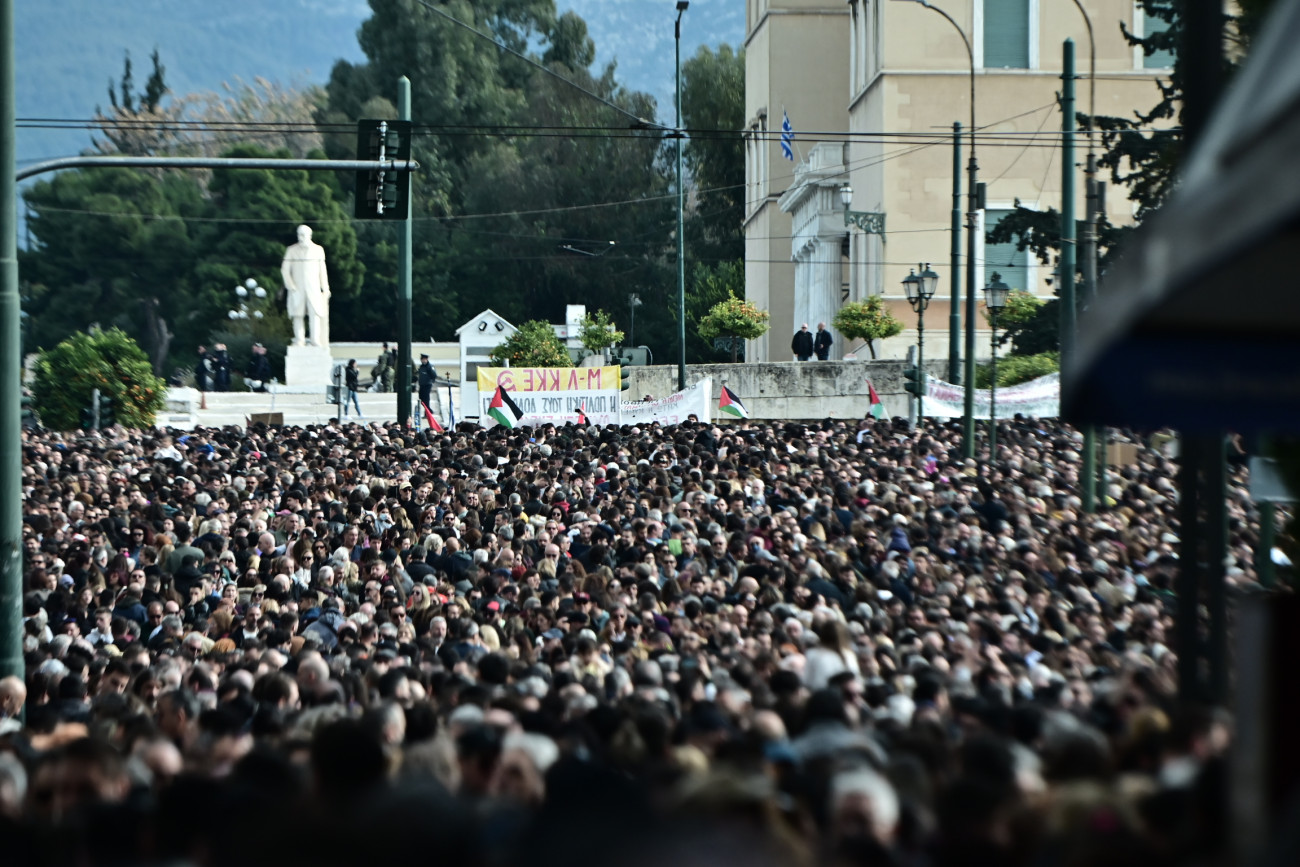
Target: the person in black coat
pixel 822 342
pixel 802 344
pixel 428 376
pixel 220 368
pixel 202 370
pixel 351 375
pixel 259 369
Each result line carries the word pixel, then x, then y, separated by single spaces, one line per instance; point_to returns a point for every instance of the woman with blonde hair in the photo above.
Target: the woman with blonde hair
pixel 421 608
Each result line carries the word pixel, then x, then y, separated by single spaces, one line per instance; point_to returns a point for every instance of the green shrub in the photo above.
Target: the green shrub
pixel 867 320
pixel 108 360
pixel 1015 369
pixel 598 332
pixel 734 317
pixel 533 345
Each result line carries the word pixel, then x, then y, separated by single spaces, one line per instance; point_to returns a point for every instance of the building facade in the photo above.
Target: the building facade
pixel 895 76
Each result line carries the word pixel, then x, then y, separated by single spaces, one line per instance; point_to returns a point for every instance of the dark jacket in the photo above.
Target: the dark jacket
pixel 427 376
pixel 202 372
pixel 326 628
pixel 259 368
pixel 220 370
pixel 822 344
pixel 352 375
pixel 802 344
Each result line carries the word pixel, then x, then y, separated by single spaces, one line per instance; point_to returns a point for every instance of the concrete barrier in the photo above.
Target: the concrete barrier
pixel 793 389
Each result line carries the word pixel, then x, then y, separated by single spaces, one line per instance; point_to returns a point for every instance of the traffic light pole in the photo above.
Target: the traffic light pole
pixel 954 258
pixel 404 242
pixel 116 162
pixel 1067 302
pixel 11 430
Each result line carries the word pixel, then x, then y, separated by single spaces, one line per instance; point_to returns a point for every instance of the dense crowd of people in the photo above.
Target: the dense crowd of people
pixel 772 644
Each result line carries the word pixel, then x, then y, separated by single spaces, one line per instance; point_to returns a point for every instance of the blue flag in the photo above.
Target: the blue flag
pixel 787 137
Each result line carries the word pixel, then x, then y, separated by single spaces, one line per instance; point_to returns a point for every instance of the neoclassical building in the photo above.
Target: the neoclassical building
pixel 872 89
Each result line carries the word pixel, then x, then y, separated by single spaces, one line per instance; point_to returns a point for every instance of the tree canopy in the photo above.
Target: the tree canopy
pixel 537 189
pixel 108 360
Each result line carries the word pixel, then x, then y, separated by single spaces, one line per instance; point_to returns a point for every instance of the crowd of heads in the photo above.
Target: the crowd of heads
pixel 778 643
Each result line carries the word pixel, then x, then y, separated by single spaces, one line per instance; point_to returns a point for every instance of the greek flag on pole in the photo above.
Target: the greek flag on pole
pixel 787 137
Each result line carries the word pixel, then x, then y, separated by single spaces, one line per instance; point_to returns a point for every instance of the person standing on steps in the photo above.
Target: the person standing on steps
pixel 351 375
pixel 822 342
pixel 802 344
pixel 220 368
pixel 428 376
pixel 384 370
pixel 259 369
pixel 203 370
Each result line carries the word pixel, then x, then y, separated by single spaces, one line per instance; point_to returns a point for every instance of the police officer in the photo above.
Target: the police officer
pixel 427 377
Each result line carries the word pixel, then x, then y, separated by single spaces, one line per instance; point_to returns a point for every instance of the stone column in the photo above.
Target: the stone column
pixel 824 293
pixel 802 289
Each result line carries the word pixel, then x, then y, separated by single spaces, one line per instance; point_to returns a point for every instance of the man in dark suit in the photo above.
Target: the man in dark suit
pixel 802 344
pixel 822 342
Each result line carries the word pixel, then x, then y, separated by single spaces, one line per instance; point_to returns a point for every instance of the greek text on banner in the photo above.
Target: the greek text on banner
pixel 527 379
pixel 554 395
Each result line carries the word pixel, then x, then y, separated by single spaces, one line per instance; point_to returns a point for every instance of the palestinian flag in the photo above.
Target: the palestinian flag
pixel 729 403
pixel 504 410
pixel 582 414
pixel 433 422
pixel 877 406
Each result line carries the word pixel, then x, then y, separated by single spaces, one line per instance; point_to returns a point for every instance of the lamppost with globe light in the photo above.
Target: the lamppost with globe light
pixel 920 288
pixel 995 298
pixel 243 291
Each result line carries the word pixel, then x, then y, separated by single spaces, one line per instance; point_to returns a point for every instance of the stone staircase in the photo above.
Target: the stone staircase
pixel 187 409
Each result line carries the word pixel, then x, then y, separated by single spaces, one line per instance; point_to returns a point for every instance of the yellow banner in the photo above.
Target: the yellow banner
pixel 525 380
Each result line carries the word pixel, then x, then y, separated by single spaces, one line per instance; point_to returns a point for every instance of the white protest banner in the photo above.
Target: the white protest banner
pixel 1038 398
pixel 696 400
pixel 553 395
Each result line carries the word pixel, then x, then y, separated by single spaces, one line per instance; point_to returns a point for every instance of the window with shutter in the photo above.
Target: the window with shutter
pixel 1006 34
pixel 1011 264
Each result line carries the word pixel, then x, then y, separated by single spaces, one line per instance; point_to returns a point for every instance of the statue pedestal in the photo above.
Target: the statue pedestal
pixel 308 365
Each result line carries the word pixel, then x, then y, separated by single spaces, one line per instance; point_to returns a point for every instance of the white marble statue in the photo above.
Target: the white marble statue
pixel 308 288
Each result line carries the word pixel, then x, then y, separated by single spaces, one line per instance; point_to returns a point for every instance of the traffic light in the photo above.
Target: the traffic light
pixel 383 195
pixel 87 418
pixel 914 381
pixel 624 375
pixel 107 416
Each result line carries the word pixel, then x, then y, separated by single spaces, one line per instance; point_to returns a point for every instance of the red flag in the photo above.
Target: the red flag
pixel 582 413
pixel 433 422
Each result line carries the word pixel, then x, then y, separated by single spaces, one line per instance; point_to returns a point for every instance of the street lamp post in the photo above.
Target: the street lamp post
pixel 1094 471
pixel 972 224
pixel 633 302
pixel 919 289
pixel 242 292
pixel 682 6
pixel 995 298
pixel 871 222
